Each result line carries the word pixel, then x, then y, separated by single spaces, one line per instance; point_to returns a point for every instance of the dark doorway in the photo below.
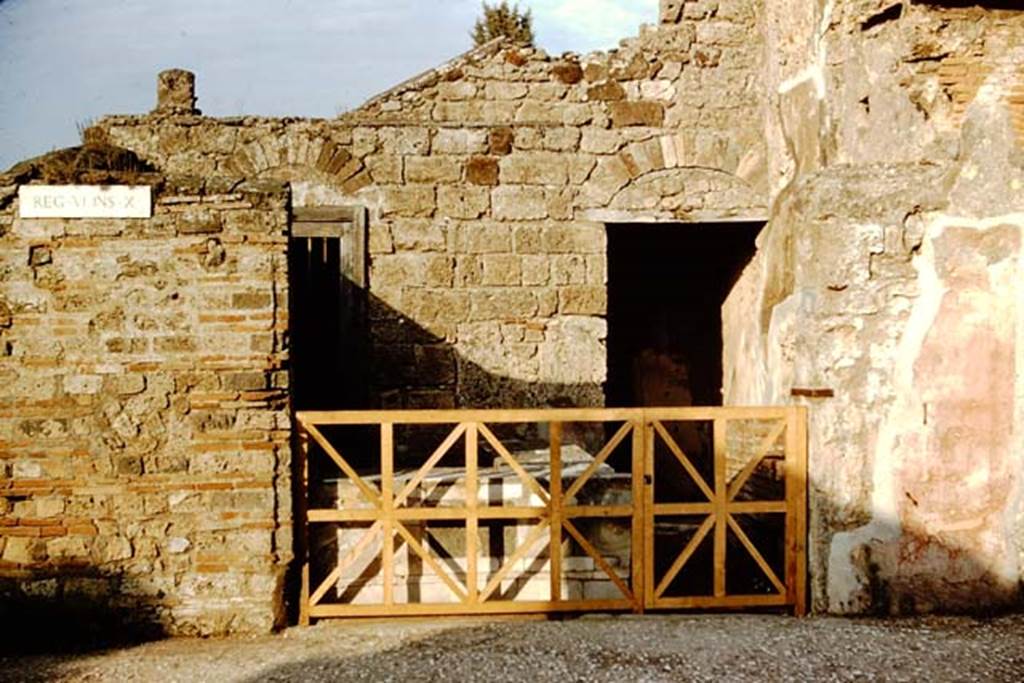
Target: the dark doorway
pixel 666 287
pixel 327 309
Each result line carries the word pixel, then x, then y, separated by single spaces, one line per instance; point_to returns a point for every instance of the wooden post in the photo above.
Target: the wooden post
pixel 302 522
pixel 647 445
pixel 796 509
pixel 472 515
pixel 555 544
pixel 387 481
pixel 636 538
pixel 720 505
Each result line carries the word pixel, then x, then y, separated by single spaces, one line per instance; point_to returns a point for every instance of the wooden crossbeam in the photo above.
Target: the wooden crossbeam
pixel 426 557
pixel 598 558
pixel 683 460
pixel 351 556
pixel 368 491
pixel 740 479
pixel 520 552
pixel 514 464
pixel 779 586
pixel 422 473
pixel 598 460
pixel 684 557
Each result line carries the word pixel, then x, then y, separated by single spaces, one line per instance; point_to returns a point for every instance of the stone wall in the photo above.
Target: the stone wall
pixel 489 182
pixel 889 275
pixel 144 425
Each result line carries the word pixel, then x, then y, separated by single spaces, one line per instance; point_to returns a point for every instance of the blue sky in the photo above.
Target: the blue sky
pixel 66 62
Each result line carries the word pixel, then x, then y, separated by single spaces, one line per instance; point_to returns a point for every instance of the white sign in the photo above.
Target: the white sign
pixel 85 201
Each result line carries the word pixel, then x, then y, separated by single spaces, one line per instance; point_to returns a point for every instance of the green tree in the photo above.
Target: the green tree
pixel 502 19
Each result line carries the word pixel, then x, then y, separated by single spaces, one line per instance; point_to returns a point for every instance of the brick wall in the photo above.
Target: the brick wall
pixel 144 427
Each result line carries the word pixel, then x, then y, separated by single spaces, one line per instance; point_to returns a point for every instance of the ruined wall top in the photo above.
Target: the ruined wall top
pixel 176 92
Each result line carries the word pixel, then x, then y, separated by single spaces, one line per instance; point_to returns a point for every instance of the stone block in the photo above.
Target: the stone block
pixel 409 200
pixel 567 72
pixel 501 270
pixel 574 238
pixel 456 90
pixel 626 114
pixel 535 168
pixel 419 235
pixel 482 170
pixel 608 91
pixel 460 141
pixel 583 300
pixel 432 169
pixel 505 90
pixel 503 304
pixel 251 300
pixel 499 141
pixel 519 203
pixel 462 201
pixel 83 384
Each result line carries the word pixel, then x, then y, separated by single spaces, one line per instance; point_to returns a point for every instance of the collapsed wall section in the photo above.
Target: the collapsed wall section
pixel 887 286
pixel 144 426
pixel 489 182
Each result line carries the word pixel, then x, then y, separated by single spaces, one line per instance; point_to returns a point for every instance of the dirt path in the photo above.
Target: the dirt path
pixel 620 649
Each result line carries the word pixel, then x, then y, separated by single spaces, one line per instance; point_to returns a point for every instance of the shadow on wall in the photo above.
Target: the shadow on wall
pixel 75 609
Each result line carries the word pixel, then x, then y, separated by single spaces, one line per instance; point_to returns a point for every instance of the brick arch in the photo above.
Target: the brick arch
pixel 302 155
pixel 642 175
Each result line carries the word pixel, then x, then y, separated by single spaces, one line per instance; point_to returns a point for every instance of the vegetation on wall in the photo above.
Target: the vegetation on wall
pixel 503 19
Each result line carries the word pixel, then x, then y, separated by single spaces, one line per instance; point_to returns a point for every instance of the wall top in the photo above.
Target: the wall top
pixel 176 92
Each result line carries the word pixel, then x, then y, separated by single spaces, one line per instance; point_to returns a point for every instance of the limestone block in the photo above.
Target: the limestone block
pixel 609 176
pixel 625 114
pixel 502 304
pixel 409 200
pixel 483 238
pixel 456 90
pixel 83 384
pixel 463 202
pixel 460 141
pixel 519 203
pixel 482 170
pixel 504 90
pixel 535 168
pixel 432 169
pixel 583 300
pixel 574 238
pixel 501 270
pixel 419 235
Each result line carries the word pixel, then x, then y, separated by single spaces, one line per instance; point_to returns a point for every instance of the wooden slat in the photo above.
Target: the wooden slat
pixel 503 416
pixel 387 481
pixel 408 514
pixel 599 560
pixel 368 491
pixel 489 607
pixel 756 554
pixel 302 505
pixel 649 476
pixel 472 515
pixel 520 552
pixel 431 562
pixel 740 479
pixel 317 230
pixel 724 601
pixel 720 501
pixel 514 464
pixel 598 460
pixel 683 460
pixel 325 214
pixel 796 517
pixel 555 545
pixel 351 555
pixel 435 457
pixel 684 556
pixel 636 537
pixel 600 511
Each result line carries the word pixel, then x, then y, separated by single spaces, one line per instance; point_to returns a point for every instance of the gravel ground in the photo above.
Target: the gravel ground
pixel 597 648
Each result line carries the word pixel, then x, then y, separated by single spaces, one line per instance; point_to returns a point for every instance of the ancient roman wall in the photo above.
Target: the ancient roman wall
pixel 889 275
pixel 144 424
pixel 489 182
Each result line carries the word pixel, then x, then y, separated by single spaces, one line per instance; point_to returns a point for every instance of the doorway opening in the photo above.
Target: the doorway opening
pixel 666 287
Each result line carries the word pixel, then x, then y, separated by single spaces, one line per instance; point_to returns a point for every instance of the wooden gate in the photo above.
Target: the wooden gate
pixel 619 509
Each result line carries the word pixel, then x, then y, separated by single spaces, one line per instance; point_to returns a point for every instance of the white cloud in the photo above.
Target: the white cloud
pixel 585 25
